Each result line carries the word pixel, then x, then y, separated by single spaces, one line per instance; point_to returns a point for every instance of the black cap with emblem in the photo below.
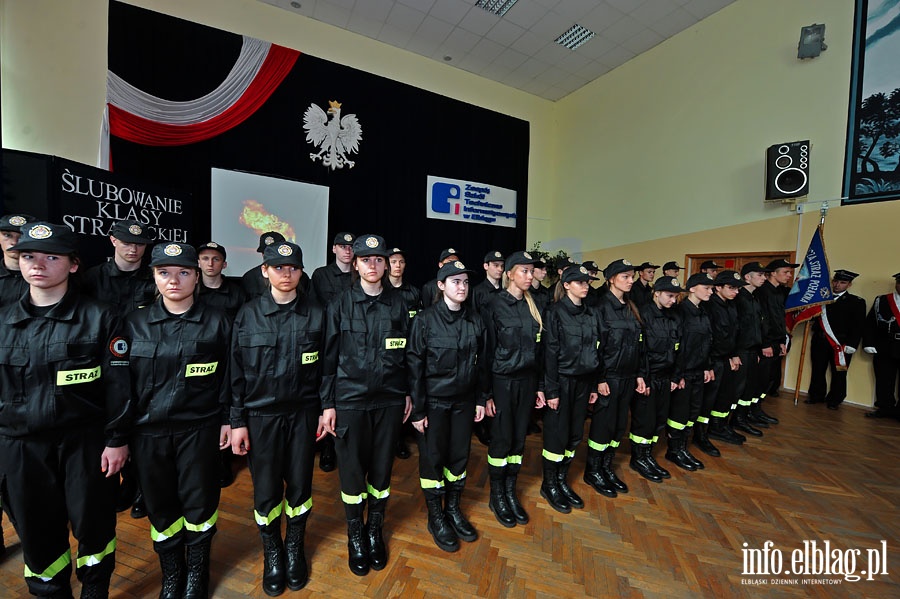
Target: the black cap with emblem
pixel 698 278
pixel 454 267
pixel 130 231
pixel 343 238
pixel 370 245
pixel 174 254
pixel 844 275
pixel 517 258
pixel 577 273
pixel 268 238
pixel 493 256
pixel 13 223
pixel 212 245
pixel 617 267
pixel 667 284
pixel 281 253
pixel 47 238
pixel 728 277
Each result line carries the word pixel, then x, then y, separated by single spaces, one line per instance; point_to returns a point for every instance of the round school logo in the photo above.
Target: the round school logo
pixel 526 254
pixel 372 242
pixel 212 244
pixel 709 276
pixel 451 250
pixel 40 232
pixel 285 250
pixel 737 276
pixel 498 255
pixel 675 282
pixel 396 251
pixel 118 347
pixel 626 262
pixel 173 249
pixel 583 270
pixel 17 221
pixel 459 265
pixel 135 230
pixel 269 240
pixel 348 237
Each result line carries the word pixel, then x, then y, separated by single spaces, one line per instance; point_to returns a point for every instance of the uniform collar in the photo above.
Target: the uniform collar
pixel 143 272
pixel 64 310
pixel 269 307
pixel 570 307
pixel 359 296
pixel 158 313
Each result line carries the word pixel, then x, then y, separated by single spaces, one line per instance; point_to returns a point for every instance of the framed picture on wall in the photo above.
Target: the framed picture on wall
pixel 872 159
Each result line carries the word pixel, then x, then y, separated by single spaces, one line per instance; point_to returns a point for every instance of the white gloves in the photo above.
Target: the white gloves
pixel 870 350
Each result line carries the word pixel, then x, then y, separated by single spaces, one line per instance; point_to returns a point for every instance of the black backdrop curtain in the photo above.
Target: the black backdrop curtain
pixel 408 134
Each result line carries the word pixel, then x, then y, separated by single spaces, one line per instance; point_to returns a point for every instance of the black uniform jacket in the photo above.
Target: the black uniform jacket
pixel 771 300
pixel 847 318
pixel 641 294
pixel 126 290
pixel 482 293
pixel 429 293
pixel 255 284
pixel 12 285
pixel 571 343
pixel 882 330
pixel 364 364
pixel 411 298
pixel 621 340
pixel 750 321
pixel 179 365
pixel 662 337
pixel 63 370
pixel 542 296
pixel 230 296
pixel 328 282
pixel 513 338
pixel 446 356
pixel 723 319
pixel 696 339
pixel 275 354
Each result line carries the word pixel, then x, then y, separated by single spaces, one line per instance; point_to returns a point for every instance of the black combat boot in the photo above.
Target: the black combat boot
pixel 550 488
pixel 641 465
pixel 498 503
pixel 562 477
pixel 512 500
pixel 274 577
pixel 441 531
pixel 593 474
pixel 610 475
pixel 197 586
pixel 294 553
pixel 464 529
pixel 357 547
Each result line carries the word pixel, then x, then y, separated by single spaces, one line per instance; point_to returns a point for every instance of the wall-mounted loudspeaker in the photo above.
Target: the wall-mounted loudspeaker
pixel 787 170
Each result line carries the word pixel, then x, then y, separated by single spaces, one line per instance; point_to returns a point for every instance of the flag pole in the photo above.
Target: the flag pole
pixel 823 212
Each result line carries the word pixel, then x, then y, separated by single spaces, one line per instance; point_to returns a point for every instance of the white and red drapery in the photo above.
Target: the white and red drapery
pixel 142 118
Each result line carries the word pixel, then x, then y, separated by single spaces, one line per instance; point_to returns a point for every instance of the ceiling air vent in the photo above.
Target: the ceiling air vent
pixel 496 7
pixel 575 36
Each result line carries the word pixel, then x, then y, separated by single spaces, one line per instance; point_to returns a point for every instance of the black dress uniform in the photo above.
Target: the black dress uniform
pixel 515 362
pixel 774 334
pixel 747 385
pixel 126 289
pixel 179 370
pixel 542 296
pixel 843 322
pixel 64 381
pixel 622 361
pixel 482 294
pixel 882 334
pixel 641 293
pixel 228 297
pixel 447 372
pixel 365 379
pixel 571 342
pixel 275 379
pixel 430 291
pixel 720 394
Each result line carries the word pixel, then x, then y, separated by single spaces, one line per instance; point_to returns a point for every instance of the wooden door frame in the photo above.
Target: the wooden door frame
pixel 742 258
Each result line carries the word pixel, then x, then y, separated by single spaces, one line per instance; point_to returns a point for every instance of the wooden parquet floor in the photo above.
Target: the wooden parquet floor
pixel 819 475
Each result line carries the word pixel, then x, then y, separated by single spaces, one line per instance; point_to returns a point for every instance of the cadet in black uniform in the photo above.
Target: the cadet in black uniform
pixel 720 394
pixel 835 337
pixel 594 293
pixel 396 271
pixel 365 396
pixel 772 295
pixel 179 372
pixel 493 273
pixel 12 285
pixel 649 411
pixel 447 371
pixel 693 369
pixel 642 290
pixel 514 327
pixel 254 283
pixel 430 289
pixel 571 363
pixel 672 270
pixel 63 419
pixel 542 295
pixel 622 365
pixel 709 267
pixel 275 379
pixel 881 337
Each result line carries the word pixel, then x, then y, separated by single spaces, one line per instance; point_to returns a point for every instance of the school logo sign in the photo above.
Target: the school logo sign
pixel 468 201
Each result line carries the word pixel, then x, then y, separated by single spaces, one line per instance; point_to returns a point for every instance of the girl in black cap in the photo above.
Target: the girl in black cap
pixel 622 366
pixel 514 328
pixel 63 418
pixel 365 395
pixel 179 371
pixel 571 361
pixel 446 363
pixel 275 378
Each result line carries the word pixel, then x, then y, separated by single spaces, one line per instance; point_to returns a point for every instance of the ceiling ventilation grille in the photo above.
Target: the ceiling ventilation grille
pixel 496 7
pixel 575 36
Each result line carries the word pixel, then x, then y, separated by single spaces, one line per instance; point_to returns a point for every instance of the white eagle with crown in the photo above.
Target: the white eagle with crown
pixel 335 138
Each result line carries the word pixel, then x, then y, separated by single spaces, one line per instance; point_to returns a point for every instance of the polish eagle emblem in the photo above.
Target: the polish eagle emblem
pixel 336 137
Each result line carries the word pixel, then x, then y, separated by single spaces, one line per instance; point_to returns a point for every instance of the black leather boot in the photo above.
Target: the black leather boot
pixel 139 508
pixel 550 488
pixel 498 503
pixel 172 566
pixel 686 454
pixel 464 529
pixel 377 549
pixel 673 453
pixel 512 500
pixel 197 557
pixel 760 415
pixel 274 576
pixel 719 431
pixel 640 464
pixel 294 552
pixel 95 590
pixel 357 547
pixel 593 474
pixel 741 423
pixel 562 477
pixel 701 440
pixel 662 472
pixel 608 473
pixel 441 531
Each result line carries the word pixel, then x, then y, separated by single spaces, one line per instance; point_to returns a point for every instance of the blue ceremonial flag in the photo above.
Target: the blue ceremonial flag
pixel 812 285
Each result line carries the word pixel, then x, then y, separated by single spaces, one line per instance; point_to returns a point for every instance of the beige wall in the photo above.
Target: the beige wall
pixel 54 75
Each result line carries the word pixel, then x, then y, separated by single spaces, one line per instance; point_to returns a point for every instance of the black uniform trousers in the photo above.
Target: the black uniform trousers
pixel 444 446
pixel 52 479
pixel 364 444
pixel 610 419
pixel 649 412
pixel 726 397
pixel 685 404
pixel 822 359
pixel 711 389
pixel 564 426
pixel 281 457
pixel 178 468
pixel 764 374
pixel 886 370
pixel 514 397
pixel 745 384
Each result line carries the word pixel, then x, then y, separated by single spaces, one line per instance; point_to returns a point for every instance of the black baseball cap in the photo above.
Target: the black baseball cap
pixel 667 284
pixel 698 278
pixel 646 265
pixel 130 231
pixel 13 223
pixel 780 263
pixel 754 267
pixel 493 256
pixel 268 238
pixel 174 254
pixel 212 245
pixel 370 245
pixel 616 267
pixel 577 273
pixel 591 266
pixel 728 277
pixel 343 238
pixel 47 238
pixel 447 253
pixel 283 253
pixel 517 258
pixel 454 267
pixel 844 275
pixel 709 264
pixel 672 266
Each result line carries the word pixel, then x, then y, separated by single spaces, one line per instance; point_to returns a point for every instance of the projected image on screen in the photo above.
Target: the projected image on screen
pixel 244 206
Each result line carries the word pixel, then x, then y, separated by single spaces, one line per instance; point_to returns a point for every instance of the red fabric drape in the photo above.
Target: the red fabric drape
pixel 278 63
